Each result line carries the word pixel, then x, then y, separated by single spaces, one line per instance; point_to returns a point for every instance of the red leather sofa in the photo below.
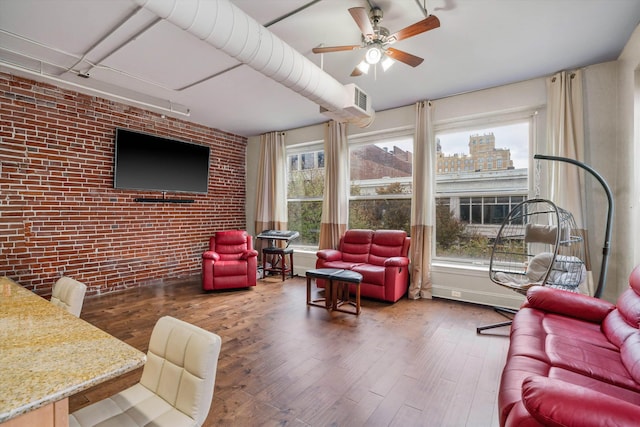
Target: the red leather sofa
pixel 380 256
pixel 573 360
pixel 231 262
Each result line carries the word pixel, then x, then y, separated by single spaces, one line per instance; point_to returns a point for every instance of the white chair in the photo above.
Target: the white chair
pixel 68 293
pixel 176 387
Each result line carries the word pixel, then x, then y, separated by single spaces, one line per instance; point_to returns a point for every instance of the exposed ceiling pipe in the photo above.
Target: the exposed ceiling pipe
pixel 267 25
pixel 226 27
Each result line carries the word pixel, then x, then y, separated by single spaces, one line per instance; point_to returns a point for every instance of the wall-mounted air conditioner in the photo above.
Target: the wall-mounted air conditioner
pixel 357 108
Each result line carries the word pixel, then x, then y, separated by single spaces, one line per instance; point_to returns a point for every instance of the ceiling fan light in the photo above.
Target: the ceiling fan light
pixel 363 66
pixel 386 63
pixel 373 55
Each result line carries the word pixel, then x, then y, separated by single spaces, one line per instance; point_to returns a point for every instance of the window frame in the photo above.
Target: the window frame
pixel 483 121
pixel 299 149
pixel 377 137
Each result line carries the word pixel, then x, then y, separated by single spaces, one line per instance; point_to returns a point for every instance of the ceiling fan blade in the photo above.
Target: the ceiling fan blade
pixel 356 72
pixel 428 23
pixel 360 15
pixel 335 48
pixel 402 56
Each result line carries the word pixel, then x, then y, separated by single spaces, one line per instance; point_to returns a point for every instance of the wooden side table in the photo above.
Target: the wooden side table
pixel 337 282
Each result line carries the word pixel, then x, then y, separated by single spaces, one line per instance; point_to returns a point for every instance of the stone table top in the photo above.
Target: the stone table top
pixel 47 354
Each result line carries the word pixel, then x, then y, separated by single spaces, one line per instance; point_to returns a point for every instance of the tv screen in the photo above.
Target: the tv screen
pixel 148 162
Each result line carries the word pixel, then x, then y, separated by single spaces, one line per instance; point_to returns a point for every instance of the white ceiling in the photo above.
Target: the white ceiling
pixel 128 52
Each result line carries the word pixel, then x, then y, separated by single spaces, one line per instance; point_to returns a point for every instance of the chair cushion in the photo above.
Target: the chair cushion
pixel 230 245
pixel 230 268
pixel 135 406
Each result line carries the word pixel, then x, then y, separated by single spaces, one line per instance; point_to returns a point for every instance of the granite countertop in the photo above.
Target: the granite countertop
pixel 47 354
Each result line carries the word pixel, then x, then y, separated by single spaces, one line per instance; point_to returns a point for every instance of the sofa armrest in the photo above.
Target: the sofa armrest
pixel 396 261
pixel 557 403
pixel 211 255
pixel 329 254
pixel 249 253
pixel 568 303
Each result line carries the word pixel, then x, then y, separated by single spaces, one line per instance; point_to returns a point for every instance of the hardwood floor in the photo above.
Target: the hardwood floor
pixel 412 363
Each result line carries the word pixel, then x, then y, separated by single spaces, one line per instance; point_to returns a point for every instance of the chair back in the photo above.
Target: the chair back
pixel 231 244
pixel 181 366
pixel 68 294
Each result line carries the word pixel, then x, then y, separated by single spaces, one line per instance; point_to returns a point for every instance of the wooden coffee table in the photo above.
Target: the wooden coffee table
pixel 337 284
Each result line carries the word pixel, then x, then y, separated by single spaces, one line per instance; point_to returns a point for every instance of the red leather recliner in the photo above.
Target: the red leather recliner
pixel 573 360
pixel 381 257
pixel 231 262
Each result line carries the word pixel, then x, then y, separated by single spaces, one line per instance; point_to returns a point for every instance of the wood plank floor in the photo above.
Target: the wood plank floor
pixel 412 363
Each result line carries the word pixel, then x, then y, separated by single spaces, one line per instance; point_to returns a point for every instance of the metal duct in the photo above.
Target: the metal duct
pixel 226 27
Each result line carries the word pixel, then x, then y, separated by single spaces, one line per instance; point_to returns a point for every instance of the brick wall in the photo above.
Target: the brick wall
pixel 59 212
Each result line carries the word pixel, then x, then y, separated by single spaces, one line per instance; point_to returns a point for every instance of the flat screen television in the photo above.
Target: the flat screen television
pixel 148 162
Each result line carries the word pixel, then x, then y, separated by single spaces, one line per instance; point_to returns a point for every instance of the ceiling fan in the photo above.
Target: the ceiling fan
pixel 377 40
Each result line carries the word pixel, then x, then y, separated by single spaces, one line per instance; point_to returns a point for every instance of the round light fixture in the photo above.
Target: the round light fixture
pixel 373 55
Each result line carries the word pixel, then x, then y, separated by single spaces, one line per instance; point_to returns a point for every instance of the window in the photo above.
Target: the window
pixel 471 200
pixel 293 162
pixel 308 160
pixel 381 179
pixel 472 204
pixel 305 186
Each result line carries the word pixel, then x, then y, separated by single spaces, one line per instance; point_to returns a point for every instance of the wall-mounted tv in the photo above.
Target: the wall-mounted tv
pixel 148 162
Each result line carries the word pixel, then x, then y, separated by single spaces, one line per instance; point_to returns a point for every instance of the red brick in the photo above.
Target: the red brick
pixel 61 212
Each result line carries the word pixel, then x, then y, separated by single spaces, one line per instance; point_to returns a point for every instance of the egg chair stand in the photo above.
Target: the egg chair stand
pixel 606 248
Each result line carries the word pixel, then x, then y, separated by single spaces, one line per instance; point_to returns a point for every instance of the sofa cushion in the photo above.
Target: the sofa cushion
pixel 372 274
pixel 630 352
pixel 621 326
pixel 603 364
pixel 340 265
pixel 386 244
pixel 355 246
pixel 557 403
pixel 567 343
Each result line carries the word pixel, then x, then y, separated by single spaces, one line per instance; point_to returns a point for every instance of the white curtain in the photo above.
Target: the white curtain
pixel 335 203
pixel 422 206
pixel 271 209
pixel 565 138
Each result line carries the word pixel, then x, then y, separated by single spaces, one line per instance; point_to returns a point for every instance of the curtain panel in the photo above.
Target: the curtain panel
pixel 335 202
pixel 565 138
pixel 271 209
pixel 422 205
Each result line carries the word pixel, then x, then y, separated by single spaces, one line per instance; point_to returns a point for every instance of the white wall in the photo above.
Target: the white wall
pixel 610 133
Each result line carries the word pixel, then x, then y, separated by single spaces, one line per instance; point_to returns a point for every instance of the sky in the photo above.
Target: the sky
pixel 514 136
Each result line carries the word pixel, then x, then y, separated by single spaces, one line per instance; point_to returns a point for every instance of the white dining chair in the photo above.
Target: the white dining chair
pixel 176 387
pixel 68 293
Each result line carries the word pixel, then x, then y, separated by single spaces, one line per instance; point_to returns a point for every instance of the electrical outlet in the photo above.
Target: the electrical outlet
pixel 456 294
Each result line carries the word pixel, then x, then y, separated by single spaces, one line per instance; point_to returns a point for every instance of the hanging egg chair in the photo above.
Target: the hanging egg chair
pixel 538 243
